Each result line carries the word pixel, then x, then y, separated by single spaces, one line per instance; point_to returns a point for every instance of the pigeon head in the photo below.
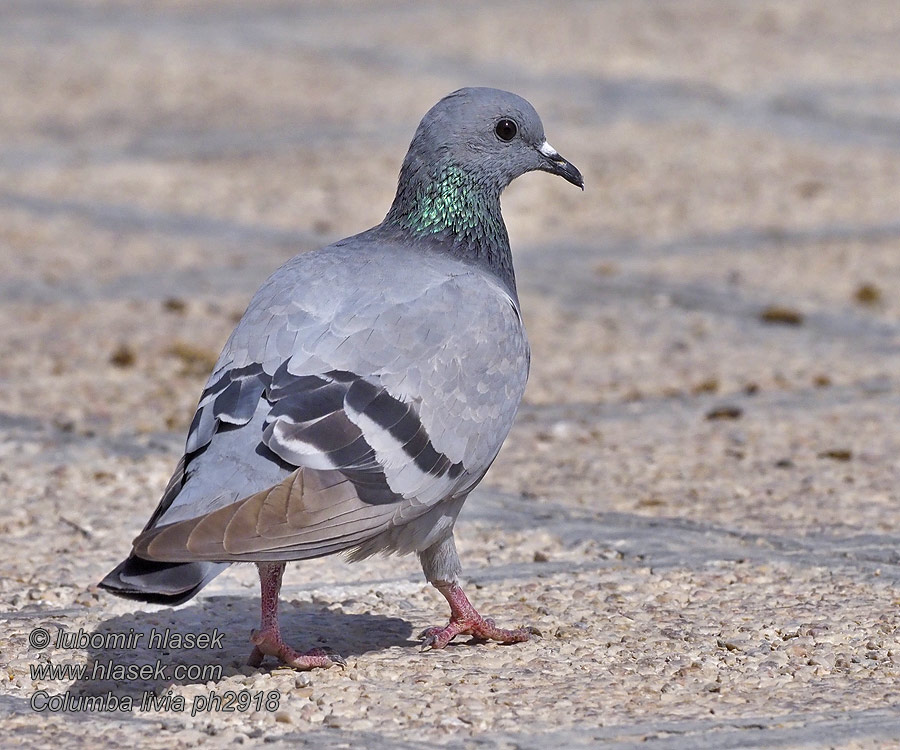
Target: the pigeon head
pixel 467 149
pixel 492 135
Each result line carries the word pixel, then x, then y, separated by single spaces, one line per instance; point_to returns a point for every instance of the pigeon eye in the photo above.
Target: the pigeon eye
pixel 506 129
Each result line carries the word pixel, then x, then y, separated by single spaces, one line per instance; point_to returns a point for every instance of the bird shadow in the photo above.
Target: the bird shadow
pixel 145 651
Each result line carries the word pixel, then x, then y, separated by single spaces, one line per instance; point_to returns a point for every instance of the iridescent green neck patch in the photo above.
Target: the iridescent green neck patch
pixel 452 201
pixel 460 211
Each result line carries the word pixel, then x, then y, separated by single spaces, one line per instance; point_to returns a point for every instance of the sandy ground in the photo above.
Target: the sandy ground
pixel 698 506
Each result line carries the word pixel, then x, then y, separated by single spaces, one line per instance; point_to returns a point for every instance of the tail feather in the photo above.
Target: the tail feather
pixel 159 582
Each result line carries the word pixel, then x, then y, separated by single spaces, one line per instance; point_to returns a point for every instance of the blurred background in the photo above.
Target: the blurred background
pixel 715 321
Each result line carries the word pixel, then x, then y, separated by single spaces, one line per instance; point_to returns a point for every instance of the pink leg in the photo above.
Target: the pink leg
pixel 268 640
pixel 465 620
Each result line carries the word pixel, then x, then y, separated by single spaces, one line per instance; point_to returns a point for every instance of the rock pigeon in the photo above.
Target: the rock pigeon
pixel 366 390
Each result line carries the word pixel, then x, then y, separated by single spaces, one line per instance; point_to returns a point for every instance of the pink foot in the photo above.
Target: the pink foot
pixel 465 620
pixel 483 629
pixel 269 643
pixel 267 640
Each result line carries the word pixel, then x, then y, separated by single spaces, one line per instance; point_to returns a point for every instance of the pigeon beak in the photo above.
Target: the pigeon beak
pixel 555 164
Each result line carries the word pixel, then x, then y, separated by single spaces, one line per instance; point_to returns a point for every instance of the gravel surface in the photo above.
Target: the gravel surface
pixel 698 506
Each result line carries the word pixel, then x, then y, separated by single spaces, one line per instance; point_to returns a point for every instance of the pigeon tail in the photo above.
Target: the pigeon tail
pixel 159 582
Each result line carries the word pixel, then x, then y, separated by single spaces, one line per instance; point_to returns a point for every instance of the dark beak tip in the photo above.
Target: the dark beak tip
pixel 570 173
pixel 562 167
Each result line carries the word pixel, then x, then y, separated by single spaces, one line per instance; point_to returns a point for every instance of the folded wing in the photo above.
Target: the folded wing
pixel 331 418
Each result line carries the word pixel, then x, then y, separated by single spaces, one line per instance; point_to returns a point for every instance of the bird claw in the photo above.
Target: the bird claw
pixel 333 655
pixel 269 643
pixel 481 630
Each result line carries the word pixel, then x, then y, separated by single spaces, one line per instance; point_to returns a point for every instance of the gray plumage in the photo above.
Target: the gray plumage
pixel 370 384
